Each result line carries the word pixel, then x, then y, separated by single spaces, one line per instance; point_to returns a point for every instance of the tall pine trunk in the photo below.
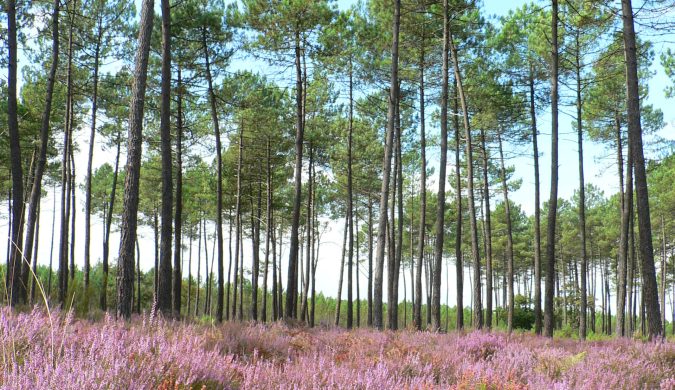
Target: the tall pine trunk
pixel 582 196
pixel 125 274
pixel 350 203
pixel 553 197
pixel 292 282
pixel 477 318
pixel 386 171
pixel 103 301
pixel 488 234
pixel 459 267
pixel 219 178
pixel 417 292
pixel 509 239
pixel 36 191
pixel 440 210
pixel 92 135
pixel 537 210
pixel 649 287
pixel 63 245
pixel 164 290
pixel 178 218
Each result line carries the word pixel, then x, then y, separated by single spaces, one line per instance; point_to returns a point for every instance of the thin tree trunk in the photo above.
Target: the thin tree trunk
pixel 626 212
pixel 207 280
pixel 125 275
pixel 292 282
pixel 51 249
pixel 155 226
pixel 268 231
pixel 240 310
pixel 237 215
pixel 178 217
pixel 475 251
pixel 386 170
pixel 164 301
pixel 663 272
pixel 459 268
pixel 553 197
pixel 358 293
pixel 34 280
pixel 309 228
pixel 189 295
pixel 582 195
pixel 138 277
pixel 342 270
pixel 229 265
pixel 73 206
pixel 509 239
pixel 92 134
pixel 219 183
pixel 392 304
pixel 440 210
pixel 63 247
pixel 537 211
pixel 399 232
pixel 488 234
pixel 36 191
pixel 370 261
pixel 255 271
pixel 199 262
pixel 350 202
pixel 108 224
pixel 417 310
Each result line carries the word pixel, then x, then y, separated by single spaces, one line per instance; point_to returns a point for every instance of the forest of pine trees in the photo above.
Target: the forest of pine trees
pixel 229 139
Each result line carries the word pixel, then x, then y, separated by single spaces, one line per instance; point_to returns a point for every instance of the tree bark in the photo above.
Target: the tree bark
pixel 626 211
pixel 582 196
pixel 199 263
pixel 386 170
pixel 164 290
pixel 36 191
pixel 309 229
pixel 92 135
pixel 369 295
pixel 103 301
pixel 553 197
pixel 63 245
pixel 475 251
pixel 649 287
pixel 350 202
pixel 292 282
pixel 417 292
pixel 440 210
pixel 509 239
pixel 537 210
pixel 342 270
pixel 488 234
pixel 237 216
pixel 459 267
pixel 178 218
pixel 125 276
pixel 268 232
pixel 219 183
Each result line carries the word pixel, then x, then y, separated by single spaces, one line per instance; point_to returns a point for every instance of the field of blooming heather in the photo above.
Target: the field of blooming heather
pixel 39 352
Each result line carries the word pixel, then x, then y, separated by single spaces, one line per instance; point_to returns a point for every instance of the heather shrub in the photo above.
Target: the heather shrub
pixel 152 352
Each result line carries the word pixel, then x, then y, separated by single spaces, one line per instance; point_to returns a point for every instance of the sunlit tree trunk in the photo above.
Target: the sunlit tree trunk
pixel 649 285
pixel 125 275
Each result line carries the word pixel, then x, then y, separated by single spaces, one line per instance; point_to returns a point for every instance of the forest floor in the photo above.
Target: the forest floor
pixel 59 352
